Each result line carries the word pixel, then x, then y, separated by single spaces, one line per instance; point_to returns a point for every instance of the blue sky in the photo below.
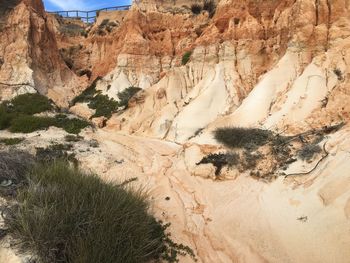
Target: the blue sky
pixel 57 5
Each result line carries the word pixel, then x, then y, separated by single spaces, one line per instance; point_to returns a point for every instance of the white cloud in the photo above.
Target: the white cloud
pixel 70 4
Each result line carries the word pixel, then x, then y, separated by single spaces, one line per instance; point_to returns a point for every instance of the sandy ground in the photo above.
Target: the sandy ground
pixel 297 219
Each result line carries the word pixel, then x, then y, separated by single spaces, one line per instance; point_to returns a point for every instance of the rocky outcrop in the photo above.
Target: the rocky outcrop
pixel 286 61
pixel 30 58
pixel 277 65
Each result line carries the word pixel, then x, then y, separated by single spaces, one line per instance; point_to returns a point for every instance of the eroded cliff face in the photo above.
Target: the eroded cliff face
pixel 277 65
pixel 29 56
pixel 244 47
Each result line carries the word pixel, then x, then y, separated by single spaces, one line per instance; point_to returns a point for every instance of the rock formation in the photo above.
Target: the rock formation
pixel 29 55
pixel 278 65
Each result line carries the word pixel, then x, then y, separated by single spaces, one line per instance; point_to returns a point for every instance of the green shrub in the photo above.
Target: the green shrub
pixel 87 94
pixel 16 114
pixel 28 124
pixel 11 141
pixel 65 215
pixel 103 106
pixel 309 151
pixel 29 104
pixel 247 138
pixel 126 95
pixel 196 9
pixel 70 125
pixel 186 57
pixel 5 117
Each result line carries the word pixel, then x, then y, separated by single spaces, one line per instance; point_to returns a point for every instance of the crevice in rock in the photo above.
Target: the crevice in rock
pixel 317 3
pixel 328 22
pixel 202 70
pixel 236 63
pixel 16 84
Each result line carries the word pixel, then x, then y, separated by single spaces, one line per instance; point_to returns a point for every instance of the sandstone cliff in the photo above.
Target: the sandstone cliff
pixel 277 65
pixel 29 54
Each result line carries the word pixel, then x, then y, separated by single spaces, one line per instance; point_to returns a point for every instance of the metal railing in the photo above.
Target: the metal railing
pixel 88 16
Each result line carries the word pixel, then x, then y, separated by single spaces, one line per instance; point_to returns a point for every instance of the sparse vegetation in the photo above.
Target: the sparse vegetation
pixel 88 93
pixel 126 95
pixel 308 151
pixel 103 106
pixel 210 7
pixel 56 151
pixel 186 57
pixel 70 29
pixel 73 138
pixel 13 167
pixel 70 125
pixel 65 215
pixel 220 160
pixel 249 160
pixel 104 23
pixel 196 9
pixel 264 152
pixel 338 73
pixel 85 72
pixel 247 138
pixel 11 141
pixel 69 55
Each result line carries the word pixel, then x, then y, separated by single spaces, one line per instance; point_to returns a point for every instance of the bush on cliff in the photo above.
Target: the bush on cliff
pixel 29 104
pixel 196 9
pixel 126 95
pixel 17 115
pixel 26 104
pixel 102 104
pixel 186 57
pixel 210 7
pixel 248 138
pixel 308 151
